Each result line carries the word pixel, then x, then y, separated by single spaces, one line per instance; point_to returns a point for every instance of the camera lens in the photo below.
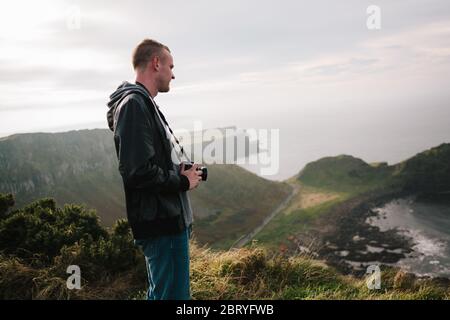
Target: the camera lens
pixel 204 173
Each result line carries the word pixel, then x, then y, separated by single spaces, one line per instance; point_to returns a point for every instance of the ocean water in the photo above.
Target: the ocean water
pixel 427 225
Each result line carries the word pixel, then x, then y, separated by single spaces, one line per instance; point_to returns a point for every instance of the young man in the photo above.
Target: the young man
pixel 158 208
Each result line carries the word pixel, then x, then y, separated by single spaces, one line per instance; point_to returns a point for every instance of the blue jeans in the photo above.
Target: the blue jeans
pixel 167 260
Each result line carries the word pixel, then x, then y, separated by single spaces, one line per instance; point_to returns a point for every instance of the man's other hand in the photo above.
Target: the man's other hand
pixel 193 175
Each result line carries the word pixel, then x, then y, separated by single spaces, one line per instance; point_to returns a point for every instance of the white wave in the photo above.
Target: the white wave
pixel 427 246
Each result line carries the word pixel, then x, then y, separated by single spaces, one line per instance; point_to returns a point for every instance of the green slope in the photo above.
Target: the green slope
pixel 81 167
pixel 239 201
pixel 427 174
pixel 38 243
pixel 427 171
pixel 344 173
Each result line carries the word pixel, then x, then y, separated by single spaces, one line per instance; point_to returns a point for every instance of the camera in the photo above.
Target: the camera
pixel 188 165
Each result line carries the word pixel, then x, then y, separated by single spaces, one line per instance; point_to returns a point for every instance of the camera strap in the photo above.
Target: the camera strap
pixel 163 120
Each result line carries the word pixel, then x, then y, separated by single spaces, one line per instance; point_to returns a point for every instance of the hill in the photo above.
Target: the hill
pixel 40 241
pixel 344 173
pixel 427 173
pixel 336 195
pixel 81 167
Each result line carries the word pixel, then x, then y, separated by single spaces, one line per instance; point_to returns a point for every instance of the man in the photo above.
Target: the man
pixel 158 209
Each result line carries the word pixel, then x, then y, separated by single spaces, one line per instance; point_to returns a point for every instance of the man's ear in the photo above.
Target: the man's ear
pixel 156 62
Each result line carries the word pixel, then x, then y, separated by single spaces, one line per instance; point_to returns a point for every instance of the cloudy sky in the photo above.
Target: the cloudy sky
pixel 312 69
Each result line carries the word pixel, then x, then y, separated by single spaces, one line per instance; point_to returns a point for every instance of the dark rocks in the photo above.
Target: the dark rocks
pixel 353 243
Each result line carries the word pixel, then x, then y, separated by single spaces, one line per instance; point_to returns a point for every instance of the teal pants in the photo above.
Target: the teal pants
pixel 167 260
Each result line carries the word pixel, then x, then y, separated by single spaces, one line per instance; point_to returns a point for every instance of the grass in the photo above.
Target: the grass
pixel 227 204
pixel 248 273
pixel 252 273
pixel 20 280
pixel 284 225
pixel 299 214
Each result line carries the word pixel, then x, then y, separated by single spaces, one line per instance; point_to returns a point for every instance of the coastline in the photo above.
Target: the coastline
pixel 354 244
pixel 346 241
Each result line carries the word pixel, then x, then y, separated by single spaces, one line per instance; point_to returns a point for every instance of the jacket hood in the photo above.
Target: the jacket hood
pixel 117 96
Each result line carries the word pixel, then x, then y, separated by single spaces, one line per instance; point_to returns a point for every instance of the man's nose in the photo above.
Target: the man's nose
pixel 173 76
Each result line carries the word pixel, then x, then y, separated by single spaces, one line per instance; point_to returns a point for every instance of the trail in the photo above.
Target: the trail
pixel 242 241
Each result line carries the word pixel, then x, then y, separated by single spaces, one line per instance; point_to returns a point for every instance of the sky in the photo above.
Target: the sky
pixel 311 69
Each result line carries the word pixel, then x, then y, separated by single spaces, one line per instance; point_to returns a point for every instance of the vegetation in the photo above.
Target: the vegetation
pixel 112 267
pixel 427 173
pixel 252 273
pixel 291 222
pixel 335 180
pixel 344 174
pixel 39 242
pixel 81 167
pixel 229 196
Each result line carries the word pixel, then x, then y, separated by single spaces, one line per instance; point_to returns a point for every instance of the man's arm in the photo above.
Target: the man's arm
pixel 136 152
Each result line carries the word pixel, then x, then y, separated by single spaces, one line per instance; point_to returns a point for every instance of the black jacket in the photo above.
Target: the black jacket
pixel 144 153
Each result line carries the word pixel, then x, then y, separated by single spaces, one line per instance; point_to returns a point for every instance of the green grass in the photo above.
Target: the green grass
pixel 284 225
pixel 344 174
pixel 242 201
pixel 248 273
pixel 251 273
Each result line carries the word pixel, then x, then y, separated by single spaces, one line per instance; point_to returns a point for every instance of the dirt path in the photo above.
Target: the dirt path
pixel 242 241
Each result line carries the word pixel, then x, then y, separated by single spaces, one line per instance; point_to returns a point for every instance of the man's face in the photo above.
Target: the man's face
pixel 165 74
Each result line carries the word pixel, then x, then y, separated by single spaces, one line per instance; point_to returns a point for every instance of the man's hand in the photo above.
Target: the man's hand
pixel 193 175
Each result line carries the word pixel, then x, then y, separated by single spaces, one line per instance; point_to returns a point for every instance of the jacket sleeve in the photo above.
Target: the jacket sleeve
pixel 133 135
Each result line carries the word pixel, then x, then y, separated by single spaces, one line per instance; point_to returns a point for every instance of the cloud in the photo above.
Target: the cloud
pixel 242 56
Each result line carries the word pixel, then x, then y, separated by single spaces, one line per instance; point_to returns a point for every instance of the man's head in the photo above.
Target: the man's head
pixel 153 64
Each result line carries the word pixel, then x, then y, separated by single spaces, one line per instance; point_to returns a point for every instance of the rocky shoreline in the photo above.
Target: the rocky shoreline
pixel 354 244
pixel 345 241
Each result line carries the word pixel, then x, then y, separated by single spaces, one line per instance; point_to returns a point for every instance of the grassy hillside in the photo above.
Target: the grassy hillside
pixel 39 242
pixel 300 215
pixel 427 173
pixel 330 182
pixel 240 274
pixel 81 167
pixel 239 199
pixel 72 167
pixel 344 173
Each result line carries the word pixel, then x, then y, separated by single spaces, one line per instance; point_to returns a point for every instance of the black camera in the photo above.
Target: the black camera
pixel 188 165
